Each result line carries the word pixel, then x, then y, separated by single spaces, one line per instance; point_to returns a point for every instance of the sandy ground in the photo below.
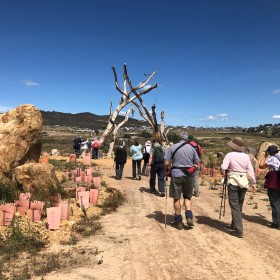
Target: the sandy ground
pixel 135 244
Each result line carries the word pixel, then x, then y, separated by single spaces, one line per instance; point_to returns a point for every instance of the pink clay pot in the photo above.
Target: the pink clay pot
pixel 88 180
pixel 53 217
pixel 79 189
pixel 96 181
pixel 84 199
pixel 8 211
pixel 88 171
pixel 21 206
pixel 78 179
pixel 72 158
pixel 93 196
pixel 65 210
pixel 86 160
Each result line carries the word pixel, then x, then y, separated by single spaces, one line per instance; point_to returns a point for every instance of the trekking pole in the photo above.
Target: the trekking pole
pixel 224 196
pixel 165 214
pixel 222 201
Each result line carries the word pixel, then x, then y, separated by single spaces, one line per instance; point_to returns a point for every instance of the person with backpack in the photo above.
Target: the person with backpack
pixel 156 168
pixel 272 182
pixel 198 150
pixel 120 159
pixel 77 145
pixel 95 148
pixel 146 157
pixel 184 161
pixel 136 155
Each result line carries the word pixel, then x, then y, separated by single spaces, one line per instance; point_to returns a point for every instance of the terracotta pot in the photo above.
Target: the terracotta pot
pixel 53 217
pixel 96 181
pixel 84 199
pixel 43 160
pixel 93 196
pixel 8 211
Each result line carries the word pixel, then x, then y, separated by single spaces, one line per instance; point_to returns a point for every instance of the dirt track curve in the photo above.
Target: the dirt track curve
pixel 135 244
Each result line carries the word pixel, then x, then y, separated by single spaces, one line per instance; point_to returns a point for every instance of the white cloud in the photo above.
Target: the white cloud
pixel 4 109
pixel 218 117
pixel 276 91
pixel 30 83
pixel 276 117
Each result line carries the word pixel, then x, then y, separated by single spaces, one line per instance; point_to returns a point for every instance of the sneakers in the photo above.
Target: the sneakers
pixel 196 194
pixel 236 234
pixel 177 224
pixel 134 178
pixel 162 194
pixel 139 177
pixel 190 222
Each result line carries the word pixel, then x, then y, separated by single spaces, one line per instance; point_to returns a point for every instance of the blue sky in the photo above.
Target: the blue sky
pixel 217 62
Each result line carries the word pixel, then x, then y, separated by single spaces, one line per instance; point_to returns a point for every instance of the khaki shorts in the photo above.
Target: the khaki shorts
pixel 182 185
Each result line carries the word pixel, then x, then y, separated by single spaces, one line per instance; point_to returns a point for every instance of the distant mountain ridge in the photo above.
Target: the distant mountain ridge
pixel 84 120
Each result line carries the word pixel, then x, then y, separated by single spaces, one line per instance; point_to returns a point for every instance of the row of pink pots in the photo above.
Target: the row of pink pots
pixel 86 160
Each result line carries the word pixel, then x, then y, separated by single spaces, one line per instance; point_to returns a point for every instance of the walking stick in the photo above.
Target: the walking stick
pixel 166 178
pixel 224 196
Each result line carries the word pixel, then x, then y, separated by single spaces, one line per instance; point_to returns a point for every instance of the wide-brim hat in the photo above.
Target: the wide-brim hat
pixel 148 142
pixel 237 144
pixel 272 149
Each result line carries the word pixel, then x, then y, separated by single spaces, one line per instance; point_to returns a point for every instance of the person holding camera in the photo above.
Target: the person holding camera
pixel 272 182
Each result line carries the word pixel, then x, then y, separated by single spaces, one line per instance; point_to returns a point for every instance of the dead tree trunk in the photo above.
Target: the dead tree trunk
pixel 127 97
pixel 115 131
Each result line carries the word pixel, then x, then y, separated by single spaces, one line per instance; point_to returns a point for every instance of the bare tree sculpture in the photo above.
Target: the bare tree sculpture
pixel 133 96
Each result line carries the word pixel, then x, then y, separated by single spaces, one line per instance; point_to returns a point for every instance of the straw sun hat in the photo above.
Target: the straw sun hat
pixel 237 144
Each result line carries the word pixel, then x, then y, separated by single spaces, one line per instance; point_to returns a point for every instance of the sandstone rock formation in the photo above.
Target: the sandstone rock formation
pixel 34 176
pixel 20 134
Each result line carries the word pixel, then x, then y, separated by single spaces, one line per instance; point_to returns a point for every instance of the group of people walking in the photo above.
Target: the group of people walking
pixel 181 162
pixel 82 147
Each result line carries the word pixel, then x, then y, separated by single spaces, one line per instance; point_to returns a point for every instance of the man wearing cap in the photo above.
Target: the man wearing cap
pixel 198 150
pixel 236 165
pixel 272 182
pixel 184 161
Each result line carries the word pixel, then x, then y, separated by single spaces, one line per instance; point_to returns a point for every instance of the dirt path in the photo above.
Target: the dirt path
pixel 134 243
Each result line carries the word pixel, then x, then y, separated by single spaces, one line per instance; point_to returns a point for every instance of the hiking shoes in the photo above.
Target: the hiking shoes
pixel 190 222
pixel 162 194
pixel 178 225
pixel 237 234
pixel 276 226
pixel 139 177
pixel 196 194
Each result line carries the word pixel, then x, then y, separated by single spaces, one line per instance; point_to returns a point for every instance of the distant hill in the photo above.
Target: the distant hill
pixel 84 120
